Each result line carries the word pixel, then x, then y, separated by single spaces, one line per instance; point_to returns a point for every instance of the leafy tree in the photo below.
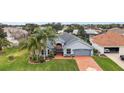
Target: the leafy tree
pixel 2 33
pixel 3 41
pixel 30 27
pixel 69 29
pixel 55 26
pixel 82 33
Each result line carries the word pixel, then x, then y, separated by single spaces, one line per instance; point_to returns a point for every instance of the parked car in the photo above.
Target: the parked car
pixel 122 57
pixel 107 51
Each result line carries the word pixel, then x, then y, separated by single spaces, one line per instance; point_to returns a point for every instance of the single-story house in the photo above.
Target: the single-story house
pixel 90 32
pixel 14 34
pixel 109 42
pixel 68 45
pixel 75 31
pixel 60 31
pixel 118 30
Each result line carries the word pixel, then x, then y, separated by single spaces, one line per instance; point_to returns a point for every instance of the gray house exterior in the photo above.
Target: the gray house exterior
pixel 70 45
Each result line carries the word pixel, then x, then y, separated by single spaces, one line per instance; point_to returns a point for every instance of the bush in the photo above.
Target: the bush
pixel 51 55
pixel 40 59
pixel 96 52
pixel 11 58
pixel 37 59
pixel 33 58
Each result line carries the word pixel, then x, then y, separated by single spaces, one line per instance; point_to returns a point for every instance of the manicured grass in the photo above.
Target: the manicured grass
pixel 20 63
pixel 107 64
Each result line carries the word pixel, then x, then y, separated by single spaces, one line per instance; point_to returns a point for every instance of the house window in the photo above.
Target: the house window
pixel 68 51
pixel 48 51
pixel 42 52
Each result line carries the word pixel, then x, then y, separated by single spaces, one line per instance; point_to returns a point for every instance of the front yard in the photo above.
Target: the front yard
pixel 107 64
pixel 20 63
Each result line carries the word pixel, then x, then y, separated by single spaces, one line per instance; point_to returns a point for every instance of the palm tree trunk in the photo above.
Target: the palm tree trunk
pixel 45 49
pixel 44 54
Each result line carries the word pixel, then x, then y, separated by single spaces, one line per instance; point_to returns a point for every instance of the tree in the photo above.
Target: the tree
pixel 3 41
pixel 30 27
pixel 2 33
pixel 38 41
pixel 82 33
pixel 44 36
pixel 55 26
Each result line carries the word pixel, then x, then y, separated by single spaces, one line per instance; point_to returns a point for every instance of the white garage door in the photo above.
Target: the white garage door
pixel 82 52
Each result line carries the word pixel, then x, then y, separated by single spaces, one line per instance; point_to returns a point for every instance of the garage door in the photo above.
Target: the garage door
pixel 82 52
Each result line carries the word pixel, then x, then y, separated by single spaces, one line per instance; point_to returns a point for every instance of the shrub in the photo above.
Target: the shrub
pixel 37 59
pixel 11 58
pixel 40 59
pixel 51 55
pixel 96 52
pixel 33 58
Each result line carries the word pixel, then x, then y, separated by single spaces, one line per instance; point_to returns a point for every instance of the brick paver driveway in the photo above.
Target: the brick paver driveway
pixel 85 63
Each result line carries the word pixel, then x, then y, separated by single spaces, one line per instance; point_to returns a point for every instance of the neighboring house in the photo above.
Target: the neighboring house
pixel 75 31
pixel 118 30
pixel 11 39
pixel 90 32
pixel 109 42
pixel 68 45
pixel 14 34
pixel 60 31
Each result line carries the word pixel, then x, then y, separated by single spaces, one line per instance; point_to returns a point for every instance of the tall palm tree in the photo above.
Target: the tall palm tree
pixel 44 36
pixel 38 41
pixel 31 44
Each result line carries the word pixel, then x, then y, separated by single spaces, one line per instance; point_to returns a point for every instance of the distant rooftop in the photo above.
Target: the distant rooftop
pixel 91 31
pixel 118 30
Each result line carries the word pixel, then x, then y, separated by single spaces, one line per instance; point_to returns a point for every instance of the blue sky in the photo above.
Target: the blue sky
pixel 21 23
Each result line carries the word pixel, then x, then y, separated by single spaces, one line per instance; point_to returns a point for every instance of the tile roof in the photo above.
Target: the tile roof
pixel 118 30
pixel 109 39
pixel 71 40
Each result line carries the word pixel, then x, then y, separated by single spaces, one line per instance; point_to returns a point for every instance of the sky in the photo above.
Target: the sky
pixel 22 23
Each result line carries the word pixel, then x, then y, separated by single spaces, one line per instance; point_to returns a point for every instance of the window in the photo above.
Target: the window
pixel 48 51
pixel 42 52
pixel 68 51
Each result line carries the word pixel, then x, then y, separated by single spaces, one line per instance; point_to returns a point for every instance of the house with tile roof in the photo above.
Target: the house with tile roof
pixel 67 44
pixel 118 30
pixel 109 42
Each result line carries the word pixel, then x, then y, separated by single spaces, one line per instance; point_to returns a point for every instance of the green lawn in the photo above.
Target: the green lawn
pixel 107 64
pixel 21 63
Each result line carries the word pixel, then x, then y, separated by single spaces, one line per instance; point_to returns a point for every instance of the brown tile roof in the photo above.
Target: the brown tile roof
pixel 118 30
pixel 109 39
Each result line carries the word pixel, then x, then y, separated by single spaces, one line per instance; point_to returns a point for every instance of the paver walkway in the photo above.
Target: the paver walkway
pixel 85 63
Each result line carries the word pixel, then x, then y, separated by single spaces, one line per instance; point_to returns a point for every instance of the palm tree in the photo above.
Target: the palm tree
pixel 38 41
pixel 31 44
pixel 44 36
